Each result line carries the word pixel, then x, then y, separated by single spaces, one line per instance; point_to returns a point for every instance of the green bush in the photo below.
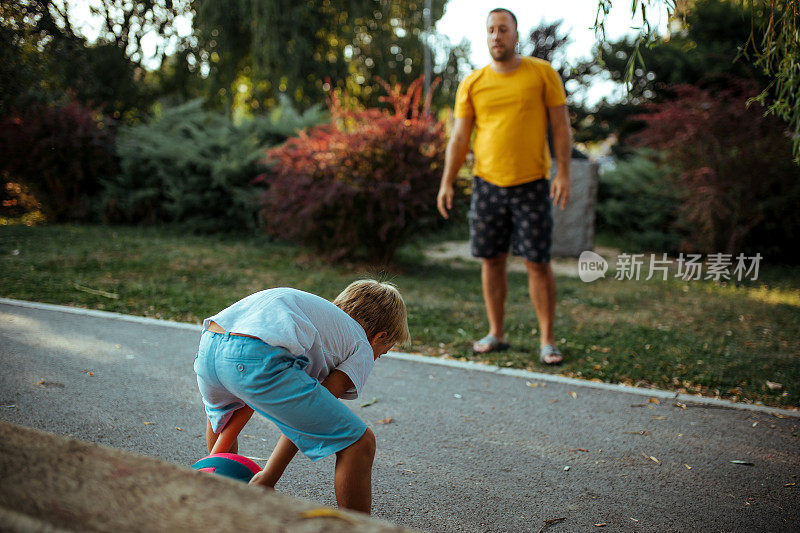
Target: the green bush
pixel 283 122
pixel 638 202
pixel 195 167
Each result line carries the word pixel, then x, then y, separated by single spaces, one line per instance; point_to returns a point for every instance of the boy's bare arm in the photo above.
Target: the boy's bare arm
pixel 337 383
pixel 280 458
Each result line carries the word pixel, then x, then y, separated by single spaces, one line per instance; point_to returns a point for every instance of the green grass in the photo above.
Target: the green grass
pixel 698 337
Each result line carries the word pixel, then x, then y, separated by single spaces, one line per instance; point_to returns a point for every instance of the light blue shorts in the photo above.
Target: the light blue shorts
pixel 235 371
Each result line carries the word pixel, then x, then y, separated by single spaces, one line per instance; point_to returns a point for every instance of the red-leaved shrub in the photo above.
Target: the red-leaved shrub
pixel 359 186
pixel 733 169
pixel 60 154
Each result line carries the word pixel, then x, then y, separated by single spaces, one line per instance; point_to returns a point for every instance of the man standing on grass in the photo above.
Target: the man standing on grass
pixel 510 103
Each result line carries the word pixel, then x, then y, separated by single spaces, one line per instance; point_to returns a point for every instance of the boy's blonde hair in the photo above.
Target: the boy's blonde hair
pixel 377 306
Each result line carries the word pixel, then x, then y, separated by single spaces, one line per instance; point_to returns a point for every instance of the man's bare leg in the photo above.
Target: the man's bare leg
pixel 542 289
pixel 494 281
pixel 353 475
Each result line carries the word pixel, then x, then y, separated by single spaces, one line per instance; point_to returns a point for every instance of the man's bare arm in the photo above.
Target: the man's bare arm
pixel 562 145
pixel 456 153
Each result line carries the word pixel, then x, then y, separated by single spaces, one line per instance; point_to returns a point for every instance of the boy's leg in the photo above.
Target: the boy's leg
pixel 226 440
pixel 353 476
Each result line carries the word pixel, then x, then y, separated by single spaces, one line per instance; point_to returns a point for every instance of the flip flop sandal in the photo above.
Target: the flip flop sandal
pixel 494 344
pixel 549 350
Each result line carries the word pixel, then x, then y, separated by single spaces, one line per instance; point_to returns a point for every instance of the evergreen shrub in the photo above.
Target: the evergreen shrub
pixel 60 154
pixel 358 187
pixel 637 201
pixel 195 167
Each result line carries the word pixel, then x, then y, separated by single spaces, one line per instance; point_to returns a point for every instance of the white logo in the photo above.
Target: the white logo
pixel 591 266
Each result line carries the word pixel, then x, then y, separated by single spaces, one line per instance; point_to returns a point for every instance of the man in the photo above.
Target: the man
pixel 510 102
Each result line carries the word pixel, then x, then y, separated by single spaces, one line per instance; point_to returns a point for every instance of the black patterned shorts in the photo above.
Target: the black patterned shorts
pixel 517 217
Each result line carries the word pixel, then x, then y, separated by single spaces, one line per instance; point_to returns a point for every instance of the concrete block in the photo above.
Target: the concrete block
pixel 51 483
pixel 573 230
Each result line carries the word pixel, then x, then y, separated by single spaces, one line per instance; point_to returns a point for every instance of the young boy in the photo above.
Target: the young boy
pixel 289 355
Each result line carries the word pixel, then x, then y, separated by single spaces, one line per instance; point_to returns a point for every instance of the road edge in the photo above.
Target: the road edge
pixel 452 363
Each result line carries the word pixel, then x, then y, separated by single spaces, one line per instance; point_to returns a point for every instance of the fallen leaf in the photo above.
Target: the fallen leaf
pixel 550 522
pixel 601 524
pixel 681 405
pixel 148 423
pixel 641 432
pixel 687 467
pixel 658 417
pixel 740 462
pixel 789 484
pixel 579 450
pixel 632 518
pixel 179 429
pixel 51 384
pixel 778 415
pixel 369 402
pixel 387 420
pixel 530 384
pixel 755 424
pixel 653 400
pixel 96 292
pixel 573 394
pixel 771 385
pixel 457 396
pixel 656 461
pixel 566 468
pixel 552 401
pixel 325 512
pixel 407 470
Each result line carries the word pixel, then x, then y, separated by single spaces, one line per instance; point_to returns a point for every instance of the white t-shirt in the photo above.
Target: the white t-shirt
pixel 304 324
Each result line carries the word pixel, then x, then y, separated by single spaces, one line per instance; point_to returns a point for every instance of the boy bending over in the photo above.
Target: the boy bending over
pixel 289 355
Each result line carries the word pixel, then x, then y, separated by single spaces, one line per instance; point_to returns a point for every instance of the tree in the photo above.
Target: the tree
pixel 48 57
pixel 771 46
pixel 703 52
pixel 267 48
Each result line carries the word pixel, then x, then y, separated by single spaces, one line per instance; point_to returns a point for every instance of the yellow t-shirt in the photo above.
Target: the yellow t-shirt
pixel 510 120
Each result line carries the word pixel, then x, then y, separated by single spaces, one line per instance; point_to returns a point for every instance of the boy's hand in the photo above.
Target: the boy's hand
pixel 337 383
pixel 262 479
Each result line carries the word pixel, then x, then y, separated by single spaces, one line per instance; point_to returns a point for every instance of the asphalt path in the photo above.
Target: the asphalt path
pixel 458 449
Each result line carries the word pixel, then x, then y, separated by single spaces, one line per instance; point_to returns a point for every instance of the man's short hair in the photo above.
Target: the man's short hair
pixel 377 306
pixel 504 10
